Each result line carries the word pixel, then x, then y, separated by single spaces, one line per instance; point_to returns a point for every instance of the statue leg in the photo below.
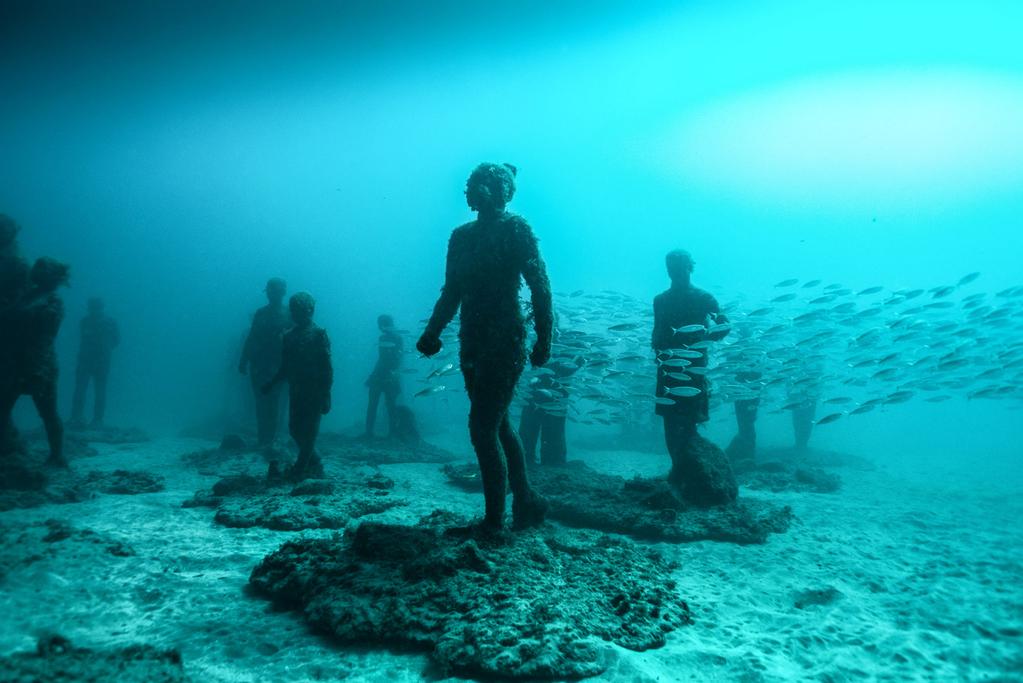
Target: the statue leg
pixel 371 409
pixel 304 425
pixel 8 434
pixel 78 398
pixel 485 416
pixel 99 407
pixel 679 430
pixel 529 431
pixel 45 399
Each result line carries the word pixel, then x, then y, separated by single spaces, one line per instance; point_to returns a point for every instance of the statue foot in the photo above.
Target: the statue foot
pixel 529 511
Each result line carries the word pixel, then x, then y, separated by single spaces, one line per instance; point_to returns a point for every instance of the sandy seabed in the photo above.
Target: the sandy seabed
pixel 897 576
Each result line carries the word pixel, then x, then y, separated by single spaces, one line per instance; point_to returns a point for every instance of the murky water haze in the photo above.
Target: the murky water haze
pixel 178 156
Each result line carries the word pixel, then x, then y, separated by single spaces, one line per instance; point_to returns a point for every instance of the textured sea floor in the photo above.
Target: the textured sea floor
pixel 903 574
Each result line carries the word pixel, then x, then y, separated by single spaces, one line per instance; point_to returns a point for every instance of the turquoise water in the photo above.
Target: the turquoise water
pixel 178 156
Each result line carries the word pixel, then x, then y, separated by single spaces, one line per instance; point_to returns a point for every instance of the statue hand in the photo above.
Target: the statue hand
pixel 540 355
pixel 428 345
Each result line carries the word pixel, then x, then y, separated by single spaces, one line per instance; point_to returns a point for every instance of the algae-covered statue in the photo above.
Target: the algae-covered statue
pixel 384 380
pixel 13 284
pixel 685 316
pixel 305 365
pixel 29 352
pixel 261 358
pixel 486 262
pixel 98 338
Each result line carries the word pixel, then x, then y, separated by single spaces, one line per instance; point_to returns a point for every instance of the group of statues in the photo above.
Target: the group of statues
pixel 31 313
pixel 487 259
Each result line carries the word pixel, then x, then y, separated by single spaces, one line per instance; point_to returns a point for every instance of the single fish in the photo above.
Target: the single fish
pixel 689 329
pixel 684 392
pixel 624 327
pixel 967 279
pixel 680 376
pixel 440 371
pixel 787 283
pixel 827 419
pixel 430 390
pixel 784 297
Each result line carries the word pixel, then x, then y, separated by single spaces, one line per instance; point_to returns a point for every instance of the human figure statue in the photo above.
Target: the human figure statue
pixel 98 338
pixel 37 318
pixel 743 447
pixel 683 316
pixel 487 260
pixel 261 358
pixel 305 365
pixel 543 416
pixel 802 422
pixel 385 380
pixel 14 283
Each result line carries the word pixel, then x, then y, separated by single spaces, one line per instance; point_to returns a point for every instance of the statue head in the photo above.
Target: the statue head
pixel 302 306
pixel 276 288
pixel 680 265
pixel 47 274
pixel 385 322
pixel 490 187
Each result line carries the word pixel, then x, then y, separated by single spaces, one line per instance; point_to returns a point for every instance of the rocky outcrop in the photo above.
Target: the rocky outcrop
pixel 550 603
pixel 646 509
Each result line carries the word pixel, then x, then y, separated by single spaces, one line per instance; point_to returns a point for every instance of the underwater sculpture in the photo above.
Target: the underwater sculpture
pixel 543 416
pixel 305 365
pixel 29 355
pixel 384 380
pixel 743 447
pixel 98 338
pixel 261 358
pixel 486 261
pixel 684 316
pixel 802 422
pixel 13 282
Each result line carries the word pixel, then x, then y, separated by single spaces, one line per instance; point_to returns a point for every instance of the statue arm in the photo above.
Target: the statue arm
pixel 450 296
pixel 534 272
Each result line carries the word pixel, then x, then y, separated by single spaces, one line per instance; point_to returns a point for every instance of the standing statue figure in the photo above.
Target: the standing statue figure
pixel 14 271
pixel 486 263
pixel 261 358
pixel 384 380
pixel 98 338
pixel 544 415
pixel 802 421
pixel 684 316
pixel 305 365
pixel 37 319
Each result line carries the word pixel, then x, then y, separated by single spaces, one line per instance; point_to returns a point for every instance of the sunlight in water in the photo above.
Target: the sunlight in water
pixel 892 137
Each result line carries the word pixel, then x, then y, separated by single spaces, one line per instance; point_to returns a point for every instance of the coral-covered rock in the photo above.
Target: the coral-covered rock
pixel 544 604
pixel 647 509
pixel 244 501
pixel 56 659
